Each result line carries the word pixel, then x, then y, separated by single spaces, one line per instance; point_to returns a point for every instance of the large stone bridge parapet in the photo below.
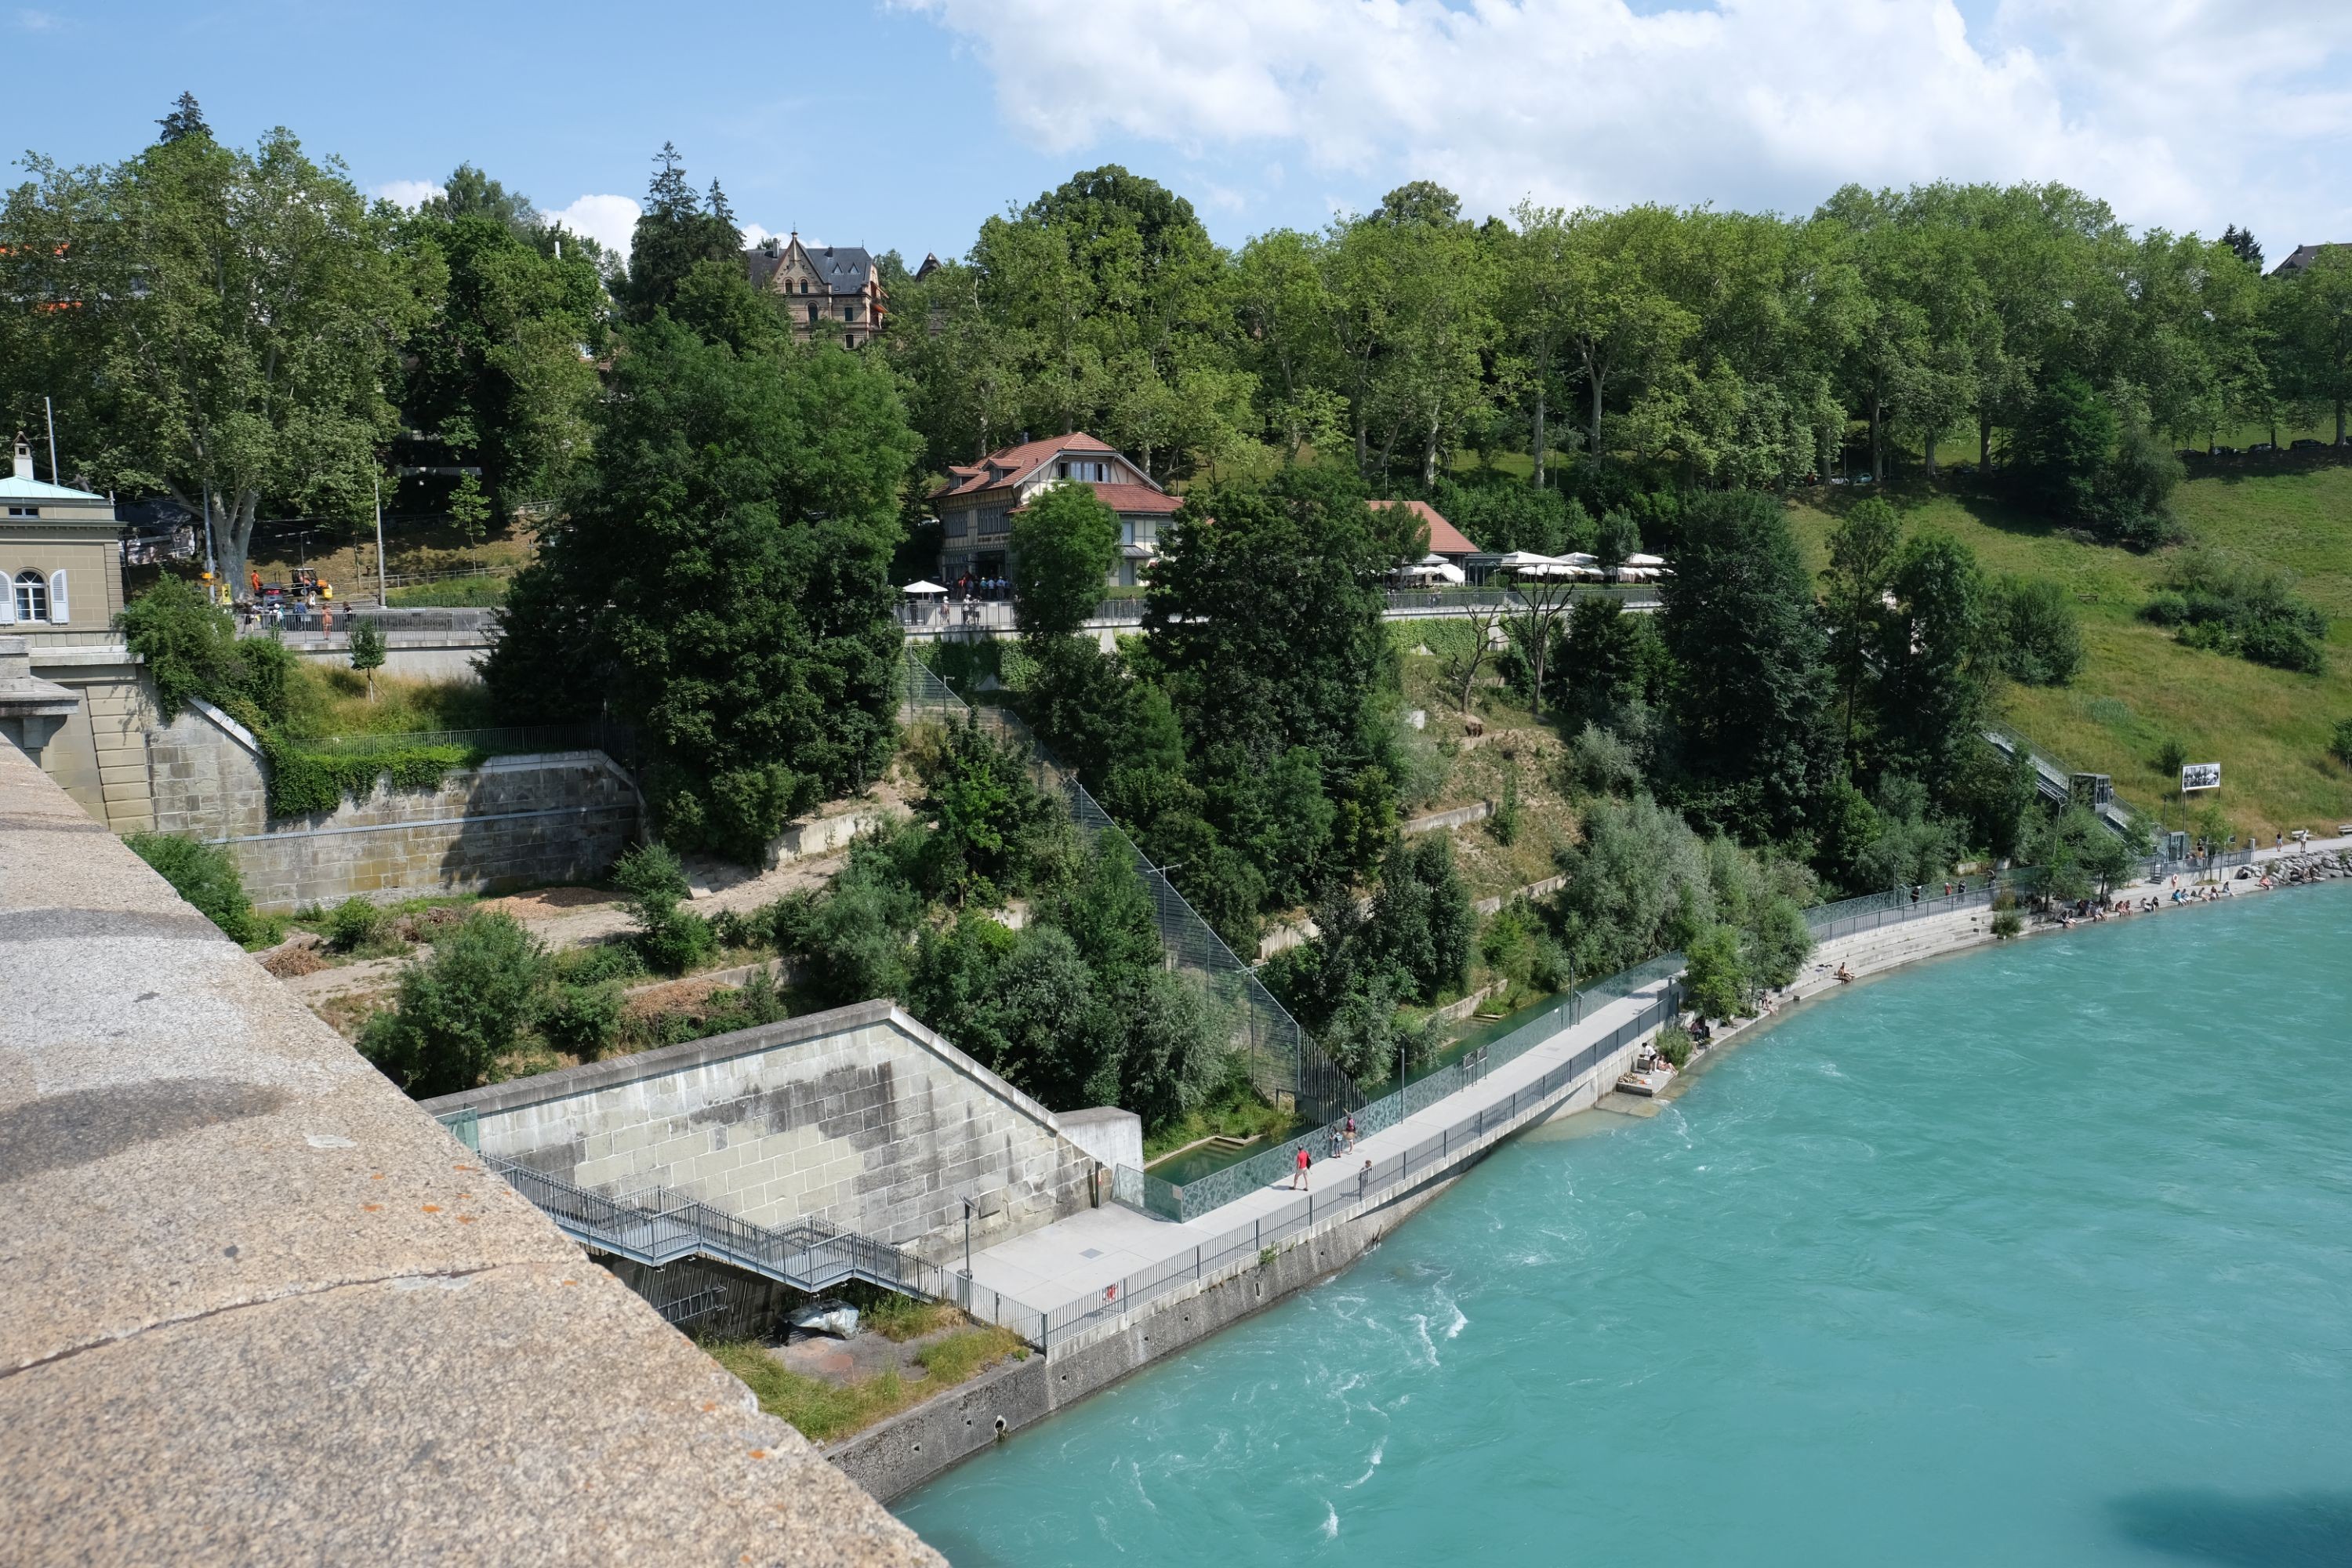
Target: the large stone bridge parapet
pixel 256 1307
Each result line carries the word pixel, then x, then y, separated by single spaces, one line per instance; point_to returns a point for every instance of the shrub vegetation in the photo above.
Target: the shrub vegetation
pixel 205 877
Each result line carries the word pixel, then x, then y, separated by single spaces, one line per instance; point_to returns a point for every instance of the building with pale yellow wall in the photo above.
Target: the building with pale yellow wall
pixel 61 570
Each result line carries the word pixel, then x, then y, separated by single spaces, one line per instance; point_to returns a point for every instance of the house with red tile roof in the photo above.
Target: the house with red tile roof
pixel 978 502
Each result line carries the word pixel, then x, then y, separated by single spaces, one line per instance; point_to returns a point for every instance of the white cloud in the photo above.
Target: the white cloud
pixel 409 194
pixel 607 220
pixel 38 22
pixel 2184 112
pixel 755 235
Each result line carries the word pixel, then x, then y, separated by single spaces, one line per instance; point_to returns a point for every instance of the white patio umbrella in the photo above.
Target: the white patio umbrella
pixel 1645 561
pixel 921 590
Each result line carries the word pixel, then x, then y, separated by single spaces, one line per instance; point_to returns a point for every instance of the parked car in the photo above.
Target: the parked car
pixel 2225 451
pixel 2307 444
pixel 2260 447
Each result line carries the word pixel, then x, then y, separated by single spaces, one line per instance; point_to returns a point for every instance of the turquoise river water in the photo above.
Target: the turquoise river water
pixel 2036 1255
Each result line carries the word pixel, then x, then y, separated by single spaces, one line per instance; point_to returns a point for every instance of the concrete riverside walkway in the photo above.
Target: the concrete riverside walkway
pixel 1076 1260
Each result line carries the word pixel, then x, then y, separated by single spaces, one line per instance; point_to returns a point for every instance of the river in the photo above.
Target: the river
pixel 2041 1253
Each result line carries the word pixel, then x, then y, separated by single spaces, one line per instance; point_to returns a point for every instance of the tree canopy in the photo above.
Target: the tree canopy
pixel 721 579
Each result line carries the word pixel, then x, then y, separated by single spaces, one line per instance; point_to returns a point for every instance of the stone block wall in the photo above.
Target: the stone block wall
pixel 208 780
pixel 549 816
pixel 99 755
pixel 860 1117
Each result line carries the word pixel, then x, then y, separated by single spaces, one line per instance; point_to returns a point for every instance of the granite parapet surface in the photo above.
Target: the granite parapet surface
pixel 257 1306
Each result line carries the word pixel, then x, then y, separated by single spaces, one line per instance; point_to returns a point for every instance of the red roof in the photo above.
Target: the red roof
pixel 1129 499
pixel 1138 497
pixel 1013 464
pixel 1445 539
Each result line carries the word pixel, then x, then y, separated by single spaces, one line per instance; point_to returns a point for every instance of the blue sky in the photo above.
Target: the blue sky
pixel 901 123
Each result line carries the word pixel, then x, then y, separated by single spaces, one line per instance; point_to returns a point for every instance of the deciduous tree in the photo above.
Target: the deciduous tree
pixel 722 580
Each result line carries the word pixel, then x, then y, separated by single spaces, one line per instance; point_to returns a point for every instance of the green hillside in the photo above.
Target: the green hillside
pixel 2267 728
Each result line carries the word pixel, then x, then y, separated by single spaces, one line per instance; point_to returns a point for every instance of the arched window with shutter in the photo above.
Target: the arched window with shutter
pixel 7 598
pixel 32 597
pixel 58 597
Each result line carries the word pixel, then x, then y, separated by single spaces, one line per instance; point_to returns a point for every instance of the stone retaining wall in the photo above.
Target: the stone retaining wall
pixel 99 755
pixel 1460 817
pixel 548 816
pixel 860 1117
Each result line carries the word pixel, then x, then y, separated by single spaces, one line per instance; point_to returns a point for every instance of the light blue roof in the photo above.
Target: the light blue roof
pixel 15 488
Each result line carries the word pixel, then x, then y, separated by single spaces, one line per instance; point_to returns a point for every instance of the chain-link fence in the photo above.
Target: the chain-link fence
pixel 1284 1064
pixel 1217 1188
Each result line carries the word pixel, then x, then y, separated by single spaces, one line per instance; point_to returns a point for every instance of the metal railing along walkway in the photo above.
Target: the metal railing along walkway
pixel 1347 1193
pixel 1000 618
pixel 1139 1189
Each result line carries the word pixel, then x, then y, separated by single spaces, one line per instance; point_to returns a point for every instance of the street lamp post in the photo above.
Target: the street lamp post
pixel 967 1240
pixel 378 480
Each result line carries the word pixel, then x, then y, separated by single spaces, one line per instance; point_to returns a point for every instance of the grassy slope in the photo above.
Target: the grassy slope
pixel 350 562
pixel 331 699
pixel 2268 728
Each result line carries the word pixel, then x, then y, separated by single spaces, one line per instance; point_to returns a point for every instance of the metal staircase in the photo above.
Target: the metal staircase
pixel 2056 782
pixel 658 1227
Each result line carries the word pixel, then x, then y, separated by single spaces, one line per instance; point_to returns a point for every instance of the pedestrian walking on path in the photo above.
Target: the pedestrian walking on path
pixel 1363 1178
pixel 1298 1170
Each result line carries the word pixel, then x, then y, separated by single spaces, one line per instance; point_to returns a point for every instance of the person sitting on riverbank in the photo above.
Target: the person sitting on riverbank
pixel 1844 976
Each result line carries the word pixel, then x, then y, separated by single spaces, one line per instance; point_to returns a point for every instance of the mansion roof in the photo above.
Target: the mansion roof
pixel 842 268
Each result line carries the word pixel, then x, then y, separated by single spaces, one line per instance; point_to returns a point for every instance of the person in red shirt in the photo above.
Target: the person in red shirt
pixel 1298 1172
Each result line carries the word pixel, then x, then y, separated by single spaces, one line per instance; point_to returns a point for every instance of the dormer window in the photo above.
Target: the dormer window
pixel 23 511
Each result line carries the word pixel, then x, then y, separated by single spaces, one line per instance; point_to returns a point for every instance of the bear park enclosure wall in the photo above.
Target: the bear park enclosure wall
pixel 512 821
